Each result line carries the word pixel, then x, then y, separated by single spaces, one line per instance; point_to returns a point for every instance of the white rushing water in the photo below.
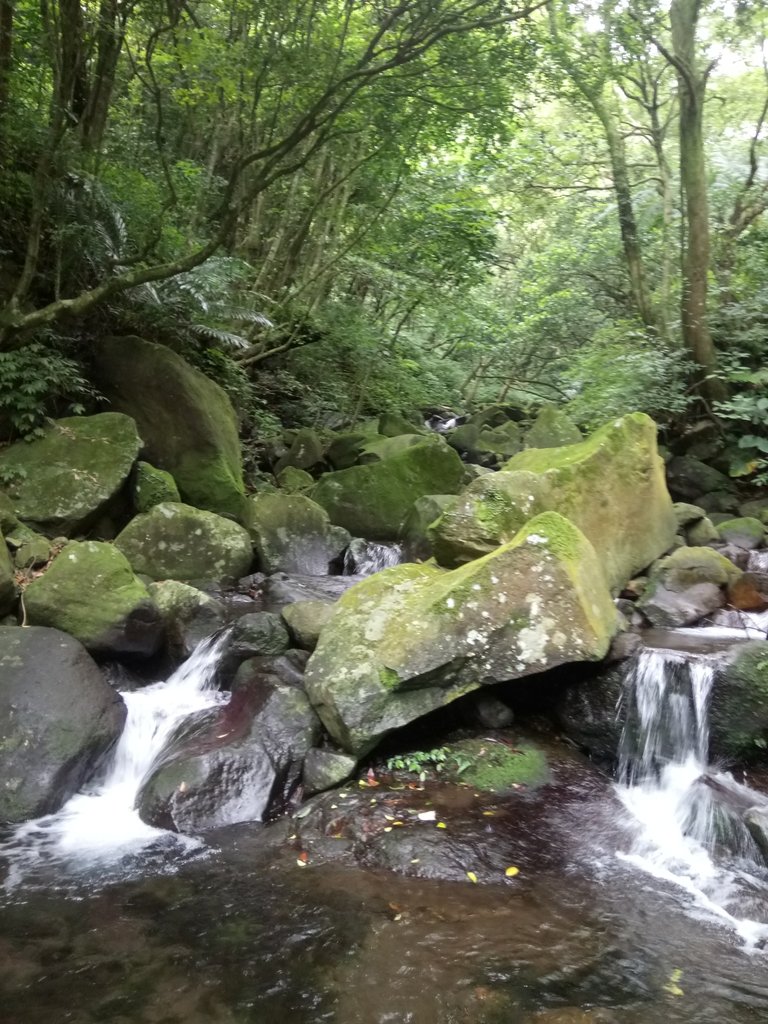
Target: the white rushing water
pixel 690 829
pixel 365 558
pixel 101 824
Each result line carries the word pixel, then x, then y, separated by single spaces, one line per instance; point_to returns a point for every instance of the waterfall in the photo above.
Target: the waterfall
pixel 365 557
pixel 758 561
pixel 101 823
pixel 689 817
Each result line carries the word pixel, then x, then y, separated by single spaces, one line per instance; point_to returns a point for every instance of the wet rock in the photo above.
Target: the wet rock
pixel 611 486
pixel 490 712
pixel 91 592
pixel 747 533
pixel 687 585
pixel 739 556
pixel 756 820
pixel 189 614
pixel 293 534
pixel 739 705
pixel 374 501
pixel 64 481
pixel 152 486
pixel 750 592
pixel 178 542
pixel 187 422
pixel 254 635
pixel 552 428
pixel 58 717
pixel 305 621
pixel 324 769
pixel 414 638
pixel 590 712
pixel 282 589
pixel 240 763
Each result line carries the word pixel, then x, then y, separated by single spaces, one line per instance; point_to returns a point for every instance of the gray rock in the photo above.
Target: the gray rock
pixel 324 769
pixel 58 718
pixel 291 533
pixel 305 621
pixel 189 614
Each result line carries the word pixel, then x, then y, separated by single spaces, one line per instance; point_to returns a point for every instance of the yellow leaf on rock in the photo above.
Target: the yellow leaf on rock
pixel 441 824
pixel 472 876
pixel 512 871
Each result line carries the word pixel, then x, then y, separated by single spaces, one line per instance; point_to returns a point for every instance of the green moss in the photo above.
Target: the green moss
pixel 747 528
pixel 497 766
pixel 151 486
pixel 739 714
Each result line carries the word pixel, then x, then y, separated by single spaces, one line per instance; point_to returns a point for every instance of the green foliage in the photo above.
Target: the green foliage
pixel 418 761
pixel 35 382
pixel 748 411
pixel 623 370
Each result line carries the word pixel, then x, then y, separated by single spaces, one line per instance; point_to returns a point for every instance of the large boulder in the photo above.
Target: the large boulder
pixel 240 763
pixel 414 638
pixel 7 582
pixel 690 478
pixel 687 585
pixel 90 592
pixel 611 486
pixel 416 539
pixel 373 501
pixel 291 533
pixel 552 428
pixel 58 717
pixel 189 615
pixel 738 714
pixel 306 451
pixel 744 532
pixel 187 421
pixel 64 481
pixel 151 486
pixel 176 541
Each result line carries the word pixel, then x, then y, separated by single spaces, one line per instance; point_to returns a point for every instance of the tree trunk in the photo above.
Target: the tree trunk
pixel 109 42
pixel 6 53
pixel 695 257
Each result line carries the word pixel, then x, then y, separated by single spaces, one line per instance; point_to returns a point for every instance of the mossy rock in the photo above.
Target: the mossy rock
pixel 152 486
pixel 30 550
pixel 344 450
pixel 295 481
pixel 187 421
pixel 8 517
pixel 745 532
pixel 497 766
pixel 391 424
pixel 375 451
pixel 424 512
pixel 8 590
pixel 305 621
pixel 757 508
pixel 739 706
pixel 175 541
pixel 305 452
pixel 493 416
pixel 687 585
pixel 686 514
pixel 413 638
pixel 91 592
pixel 689 479
pixel 189 615
pixel 552 428
pixel 293 534
pixel 324 769
pixel 610 485
pixel 67 479
pixel 374 501
pixel 701 533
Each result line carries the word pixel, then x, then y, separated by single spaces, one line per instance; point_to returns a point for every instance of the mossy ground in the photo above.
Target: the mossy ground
pixel 496 765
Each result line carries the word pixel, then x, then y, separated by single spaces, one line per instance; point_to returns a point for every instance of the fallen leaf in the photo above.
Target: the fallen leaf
pixel 512 871
pixel 489 814
pixel 472 877
pixel 182 787
pixel 387 828
pixel 441 824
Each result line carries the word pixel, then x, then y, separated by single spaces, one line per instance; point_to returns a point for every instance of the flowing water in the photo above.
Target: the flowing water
pixel 105 920
pixel 101 823
pixel 690 816
pixel 370 556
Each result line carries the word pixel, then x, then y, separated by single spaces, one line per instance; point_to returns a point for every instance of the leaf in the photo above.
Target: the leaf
pixel 512 871
pixel 441 824
pixel 302 859
pixel 472 877
pixel 672 987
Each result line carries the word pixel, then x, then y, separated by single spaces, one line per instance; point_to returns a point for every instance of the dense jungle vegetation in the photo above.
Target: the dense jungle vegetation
pixel 340 207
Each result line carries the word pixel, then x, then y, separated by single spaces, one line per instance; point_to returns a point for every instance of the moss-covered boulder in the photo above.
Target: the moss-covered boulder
pixel 552 428
pixel 152 486
pixel 386 447
pixel 305 621
pixel 189 615
pixel 610 485
pixel 489 444
pixel 391 424
pixel 29 549
pixel 186 420
pixel 689 479
pixel 58 717
pixel 686 514
pixel 306 451
pixel 295 481
pixel 745 532
pixel 687 585
pixel 414 638
pixel 291 533
pixel 177 542
pixel 90 592
pixel 344 449
pixel 416 538
pixel 739 705
pixel 324 769
pixel 7 582
pixel 64 481
pixel 701 533
pixel 374 501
